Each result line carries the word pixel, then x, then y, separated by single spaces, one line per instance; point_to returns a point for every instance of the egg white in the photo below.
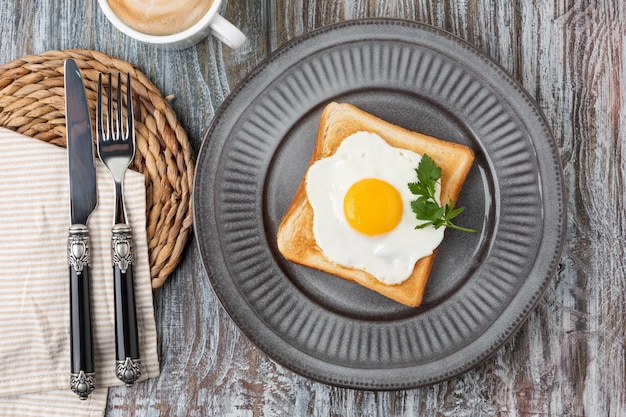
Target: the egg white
pixel 389 257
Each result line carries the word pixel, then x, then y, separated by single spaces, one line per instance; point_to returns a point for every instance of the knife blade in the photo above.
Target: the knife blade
pixel 83 200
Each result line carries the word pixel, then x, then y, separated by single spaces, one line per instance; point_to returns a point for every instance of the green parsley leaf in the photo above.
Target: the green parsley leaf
pixel 425 207
pixel 427 171
pixel 418 188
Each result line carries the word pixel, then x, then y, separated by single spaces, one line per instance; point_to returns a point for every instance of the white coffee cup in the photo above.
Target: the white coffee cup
pixel 210 23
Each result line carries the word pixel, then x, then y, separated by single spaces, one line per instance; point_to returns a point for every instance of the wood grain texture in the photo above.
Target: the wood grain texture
pixel 569 359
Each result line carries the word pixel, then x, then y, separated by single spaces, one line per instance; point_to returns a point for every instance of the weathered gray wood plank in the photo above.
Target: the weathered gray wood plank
pixel 569 359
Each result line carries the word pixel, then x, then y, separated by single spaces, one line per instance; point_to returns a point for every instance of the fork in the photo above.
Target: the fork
pixel 116 149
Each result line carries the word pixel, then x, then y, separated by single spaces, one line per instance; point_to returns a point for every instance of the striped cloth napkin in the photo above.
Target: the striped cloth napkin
pixel 34 282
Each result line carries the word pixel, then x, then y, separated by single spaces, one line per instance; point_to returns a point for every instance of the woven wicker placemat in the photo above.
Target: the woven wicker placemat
pixel 32 102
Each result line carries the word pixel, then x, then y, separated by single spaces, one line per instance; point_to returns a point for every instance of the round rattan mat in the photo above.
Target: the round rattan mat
pixel 32 102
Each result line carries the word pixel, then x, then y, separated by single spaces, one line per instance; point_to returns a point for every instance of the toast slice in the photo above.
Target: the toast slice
pixel 338 121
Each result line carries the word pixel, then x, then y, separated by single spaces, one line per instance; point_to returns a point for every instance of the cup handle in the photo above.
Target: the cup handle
pixel 227 32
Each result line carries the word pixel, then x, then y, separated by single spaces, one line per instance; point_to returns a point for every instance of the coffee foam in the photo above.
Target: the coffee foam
pixel 160 17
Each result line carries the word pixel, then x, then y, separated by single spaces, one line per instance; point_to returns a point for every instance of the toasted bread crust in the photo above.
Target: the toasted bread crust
pixel 338 121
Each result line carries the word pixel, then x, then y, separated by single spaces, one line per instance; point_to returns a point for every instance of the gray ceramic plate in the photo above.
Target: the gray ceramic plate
pixel 482 286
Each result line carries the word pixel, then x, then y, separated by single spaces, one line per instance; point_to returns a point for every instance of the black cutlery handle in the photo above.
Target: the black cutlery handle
pixel 128 367
pixel 82 377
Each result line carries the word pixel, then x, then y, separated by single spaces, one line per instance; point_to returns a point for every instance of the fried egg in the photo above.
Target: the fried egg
pixel 362 215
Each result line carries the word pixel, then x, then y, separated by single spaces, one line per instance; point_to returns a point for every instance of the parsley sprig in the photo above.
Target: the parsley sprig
pixel 425 206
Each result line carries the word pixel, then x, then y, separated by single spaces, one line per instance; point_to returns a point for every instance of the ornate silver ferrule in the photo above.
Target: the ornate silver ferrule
pixel 78 252
pixel 83 384
pixel 128 371
pixel 122 246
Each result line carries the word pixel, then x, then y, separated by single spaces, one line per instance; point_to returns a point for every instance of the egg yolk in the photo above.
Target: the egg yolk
pixel 372 206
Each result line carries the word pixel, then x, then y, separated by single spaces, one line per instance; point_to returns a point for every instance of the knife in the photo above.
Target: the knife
pixel 83 199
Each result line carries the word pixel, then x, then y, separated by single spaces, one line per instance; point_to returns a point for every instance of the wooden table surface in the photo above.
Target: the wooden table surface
pixel 568 359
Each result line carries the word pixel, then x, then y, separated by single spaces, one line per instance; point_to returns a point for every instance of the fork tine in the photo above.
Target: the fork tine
pixel 109 110
pixel 119 130
pixel 130 115
pixel 99 132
